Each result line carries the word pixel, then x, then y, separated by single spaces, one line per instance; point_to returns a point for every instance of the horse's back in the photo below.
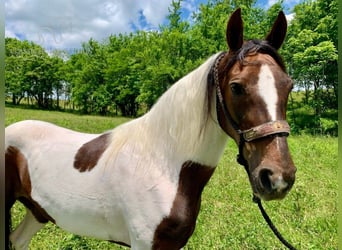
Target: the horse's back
pixel 49 151
pixel 34 131
pixel 45 144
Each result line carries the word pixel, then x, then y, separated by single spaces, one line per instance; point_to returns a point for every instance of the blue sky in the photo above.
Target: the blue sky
pixel 65 24
pixel 288 4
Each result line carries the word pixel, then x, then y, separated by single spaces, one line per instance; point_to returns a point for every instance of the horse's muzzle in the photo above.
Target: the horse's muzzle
pixel 272 183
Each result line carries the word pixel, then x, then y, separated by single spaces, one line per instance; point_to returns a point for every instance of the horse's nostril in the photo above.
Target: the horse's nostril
pixel 265 179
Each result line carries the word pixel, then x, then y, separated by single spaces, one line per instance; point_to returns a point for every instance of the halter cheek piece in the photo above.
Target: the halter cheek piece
pixel 272 128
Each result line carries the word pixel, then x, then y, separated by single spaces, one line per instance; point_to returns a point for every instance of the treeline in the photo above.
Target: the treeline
pixel 128 72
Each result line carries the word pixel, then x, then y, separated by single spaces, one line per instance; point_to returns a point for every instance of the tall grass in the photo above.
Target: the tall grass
pixel 228 219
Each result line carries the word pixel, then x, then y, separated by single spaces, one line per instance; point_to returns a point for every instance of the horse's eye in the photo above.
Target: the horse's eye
pixel 237 89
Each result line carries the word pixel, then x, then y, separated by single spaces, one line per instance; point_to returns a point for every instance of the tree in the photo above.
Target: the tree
pixel 123 72
pixel 312 54
pixel 30 72
pixel 318 58
pixel 88 79
pixel 14 65
pixel 209 26
pixel 61 86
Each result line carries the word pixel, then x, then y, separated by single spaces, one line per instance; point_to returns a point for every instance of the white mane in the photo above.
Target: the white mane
pixel 177 127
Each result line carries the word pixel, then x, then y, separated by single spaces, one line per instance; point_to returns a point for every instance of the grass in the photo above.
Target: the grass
pixel 84 123
pixel 228 219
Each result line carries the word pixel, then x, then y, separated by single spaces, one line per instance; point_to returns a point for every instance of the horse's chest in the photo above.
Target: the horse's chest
pixel 175 229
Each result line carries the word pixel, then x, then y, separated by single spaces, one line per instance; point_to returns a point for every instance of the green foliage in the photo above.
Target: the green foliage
pixel 303 119
pixel 311 51
pixel 328 126
pixel 89 89
pixel 31 72
pixel 228 218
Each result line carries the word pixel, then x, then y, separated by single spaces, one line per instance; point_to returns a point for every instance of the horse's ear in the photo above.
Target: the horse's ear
pixel 234 33
pixel 277 35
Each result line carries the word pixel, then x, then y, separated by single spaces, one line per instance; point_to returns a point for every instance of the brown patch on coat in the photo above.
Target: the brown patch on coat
pixel 174 230
pixel 18 184
pixel 88 155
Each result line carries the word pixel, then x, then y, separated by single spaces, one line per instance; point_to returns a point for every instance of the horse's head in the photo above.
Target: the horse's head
pixel 254 87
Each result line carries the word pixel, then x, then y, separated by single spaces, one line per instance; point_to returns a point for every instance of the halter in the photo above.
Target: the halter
pixel 272 128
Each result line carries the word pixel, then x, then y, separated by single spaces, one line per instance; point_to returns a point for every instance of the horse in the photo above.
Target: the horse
pixel 140 183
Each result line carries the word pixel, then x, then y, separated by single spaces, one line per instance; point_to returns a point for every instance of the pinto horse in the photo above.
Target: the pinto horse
pixel 140 184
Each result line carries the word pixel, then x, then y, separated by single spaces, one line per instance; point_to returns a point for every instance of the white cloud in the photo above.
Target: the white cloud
pixel 66 24
pixel 290 17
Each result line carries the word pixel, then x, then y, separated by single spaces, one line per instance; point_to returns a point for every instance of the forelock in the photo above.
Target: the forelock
pixel 252 47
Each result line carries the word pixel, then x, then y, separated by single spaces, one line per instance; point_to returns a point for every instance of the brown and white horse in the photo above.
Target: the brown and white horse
pixel 140 184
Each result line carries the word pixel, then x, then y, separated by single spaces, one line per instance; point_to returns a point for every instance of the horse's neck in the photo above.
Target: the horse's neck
pixel 180 124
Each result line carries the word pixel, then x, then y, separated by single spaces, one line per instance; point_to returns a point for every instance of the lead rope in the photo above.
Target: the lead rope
pixel 242 161
pixel 271 225
pixel 240 158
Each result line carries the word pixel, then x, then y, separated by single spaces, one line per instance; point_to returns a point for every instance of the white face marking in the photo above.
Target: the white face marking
pixel 267 90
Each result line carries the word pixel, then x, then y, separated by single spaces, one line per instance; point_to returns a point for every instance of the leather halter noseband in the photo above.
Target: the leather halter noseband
pixel 272 128
pixel 278 128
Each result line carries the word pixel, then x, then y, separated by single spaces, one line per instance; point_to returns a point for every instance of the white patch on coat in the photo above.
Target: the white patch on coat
pixel 268 91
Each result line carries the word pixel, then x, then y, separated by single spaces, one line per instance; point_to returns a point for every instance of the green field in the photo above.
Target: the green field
pixel 228 219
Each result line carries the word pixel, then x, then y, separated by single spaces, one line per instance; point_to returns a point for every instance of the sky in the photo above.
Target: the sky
pixel 65 24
